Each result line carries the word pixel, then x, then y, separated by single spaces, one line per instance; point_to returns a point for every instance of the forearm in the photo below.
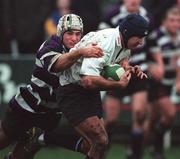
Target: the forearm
pixel 158 59
pixel 178 80
pixel 124 63
pixel 66 60
pixel 100 83
pixel 178 74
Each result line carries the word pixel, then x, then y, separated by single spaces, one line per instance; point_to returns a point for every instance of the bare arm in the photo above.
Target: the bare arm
pixel 66 60
pixel 178 77
pixel 157 70
pixel 158 58
pixel 98 82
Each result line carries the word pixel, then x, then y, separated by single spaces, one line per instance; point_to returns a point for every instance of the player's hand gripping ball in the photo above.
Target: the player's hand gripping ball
pixel 113 72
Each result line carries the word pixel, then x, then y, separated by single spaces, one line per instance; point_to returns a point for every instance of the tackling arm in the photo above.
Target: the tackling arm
pixel 66 60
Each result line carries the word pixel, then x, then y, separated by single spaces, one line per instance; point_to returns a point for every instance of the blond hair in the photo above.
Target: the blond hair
pixel 175 10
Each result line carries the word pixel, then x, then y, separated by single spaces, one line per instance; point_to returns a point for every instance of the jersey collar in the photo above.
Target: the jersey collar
pixel 118 37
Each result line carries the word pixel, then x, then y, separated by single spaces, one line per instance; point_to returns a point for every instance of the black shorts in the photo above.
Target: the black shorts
pixel 78 103
pixel 158 90
pixel 17 121
pixel 135 85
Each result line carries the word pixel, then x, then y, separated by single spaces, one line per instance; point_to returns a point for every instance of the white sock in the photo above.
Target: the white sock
pixel 41 140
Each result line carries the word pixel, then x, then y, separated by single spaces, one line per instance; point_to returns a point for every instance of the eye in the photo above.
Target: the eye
pixel 69 33
pixel 78 34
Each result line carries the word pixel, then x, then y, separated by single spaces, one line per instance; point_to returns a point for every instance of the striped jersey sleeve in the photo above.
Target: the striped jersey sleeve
pixel 39 95
pixel 48 53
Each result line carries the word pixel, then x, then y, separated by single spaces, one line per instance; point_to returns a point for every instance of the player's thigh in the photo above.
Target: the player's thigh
pixel 14 125
pixel 111 107
pixel 153 114
pixel 4 139
pixel 16 122
pixel 93 130
pixel 78 103
pixel 166 106
pixel 139 101
pixel 47 121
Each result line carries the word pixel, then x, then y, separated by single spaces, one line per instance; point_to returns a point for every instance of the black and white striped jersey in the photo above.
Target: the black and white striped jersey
pixel 39 95
pixel 161 41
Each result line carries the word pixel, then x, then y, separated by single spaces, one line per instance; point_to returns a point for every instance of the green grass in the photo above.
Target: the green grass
pixel 116 152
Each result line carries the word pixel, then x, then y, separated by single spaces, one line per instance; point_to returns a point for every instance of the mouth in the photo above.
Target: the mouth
pixel 72 44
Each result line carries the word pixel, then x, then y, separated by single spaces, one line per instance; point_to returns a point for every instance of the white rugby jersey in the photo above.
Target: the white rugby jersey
pixel 116 15
pixel 109 41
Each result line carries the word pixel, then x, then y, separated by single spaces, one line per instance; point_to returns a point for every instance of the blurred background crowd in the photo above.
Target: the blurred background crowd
pixel 24 25
pixel 27 24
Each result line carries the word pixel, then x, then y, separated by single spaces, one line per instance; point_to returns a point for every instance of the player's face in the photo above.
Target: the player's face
pixel 172 23
pixel 134 42
pixel 132 5
pixel 70 38
pixel 63 4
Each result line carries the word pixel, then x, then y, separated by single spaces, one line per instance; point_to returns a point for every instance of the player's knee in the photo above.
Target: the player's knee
pixel 139 116
pixel 110 120
pixel 102 140
pixel 112 111
pixel 167 107
pixel 170 115
pixel 85 147
pixel 4 140
pixel 99 138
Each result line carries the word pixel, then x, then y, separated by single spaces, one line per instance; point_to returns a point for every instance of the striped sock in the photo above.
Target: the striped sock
pixel 78 145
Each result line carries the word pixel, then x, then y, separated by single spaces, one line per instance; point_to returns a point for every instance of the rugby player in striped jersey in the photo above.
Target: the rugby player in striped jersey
pixel 35 105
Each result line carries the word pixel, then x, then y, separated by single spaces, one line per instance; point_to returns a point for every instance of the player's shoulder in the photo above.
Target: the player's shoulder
pixel 99 32
pixel 108 32
pixel 106 37
pixel 98 36
pixel 157 33
pixel 52 44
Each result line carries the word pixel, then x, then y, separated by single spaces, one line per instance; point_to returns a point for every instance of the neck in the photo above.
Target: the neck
pixel 122 41
pixel 65 48
pixel 133 10
pixel 173 35
pixel 65 11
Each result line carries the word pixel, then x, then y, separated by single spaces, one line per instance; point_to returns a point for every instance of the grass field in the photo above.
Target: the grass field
pixel 116 152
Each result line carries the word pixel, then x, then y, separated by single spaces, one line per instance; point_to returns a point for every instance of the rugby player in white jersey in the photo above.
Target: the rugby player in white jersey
pixel 136 89
pixel 79 96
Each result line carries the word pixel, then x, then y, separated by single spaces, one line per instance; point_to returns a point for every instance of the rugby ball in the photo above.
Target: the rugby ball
pixel 113 72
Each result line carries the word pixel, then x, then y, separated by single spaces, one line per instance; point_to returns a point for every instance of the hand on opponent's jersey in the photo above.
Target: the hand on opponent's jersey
pixel 139 73
pixel 91 50
pixel 136 70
